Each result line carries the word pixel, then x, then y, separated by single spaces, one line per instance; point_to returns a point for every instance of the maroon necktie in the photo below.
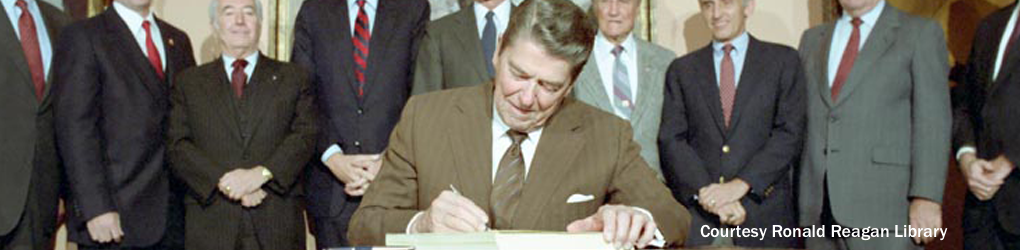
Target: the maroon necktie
pixel 727 83
pixel 150 48
pixel 238 78
pixel 30 43
pixel 849 56
pixel 362 37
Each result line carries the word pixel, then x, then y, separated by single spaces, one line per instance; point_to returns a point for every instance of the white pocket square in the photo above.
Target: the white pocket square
pixel 578 198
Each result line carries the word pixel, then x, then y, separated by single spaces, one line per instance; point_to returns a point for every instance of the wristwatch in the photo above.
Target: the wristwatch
pixel 267 174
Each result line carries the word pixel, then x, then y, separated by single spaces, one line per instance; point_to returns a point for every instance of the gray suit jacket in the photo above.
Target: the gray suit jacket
pixel 653 61
pixel 29 159
pixel 886 140
pixel 450 55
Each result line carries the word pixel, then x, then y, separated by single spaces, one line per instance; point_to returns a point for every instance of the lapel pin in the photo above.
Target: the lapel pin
pixel 274 77
pixel 171 42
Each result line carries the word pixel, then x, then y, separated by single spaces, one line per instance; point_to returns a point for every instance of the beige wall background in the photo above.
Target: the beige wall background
pixel 678 25
pixel 192 16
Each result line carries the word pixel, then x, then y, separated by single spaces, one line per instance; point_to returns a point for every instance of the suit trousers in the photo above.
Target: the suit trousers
pixel 838 243
pixel 981 228
pixel 29 234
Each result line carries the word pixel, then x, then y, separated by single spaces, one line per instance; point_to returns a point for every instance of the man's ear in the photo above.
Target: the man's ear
pixel 749 9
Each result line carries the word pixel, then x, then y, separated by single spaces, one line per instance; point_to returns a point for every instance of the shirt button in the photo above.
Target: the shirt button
pixel 725 149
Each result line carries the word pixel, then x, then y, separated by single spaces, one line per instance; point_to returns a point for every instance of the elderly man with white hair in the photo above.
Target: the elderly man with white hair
pixel 241 130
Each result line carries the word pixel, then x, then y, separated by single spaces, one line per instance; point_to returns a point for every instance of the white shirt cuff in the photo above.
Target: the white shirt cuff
pixel 411 222
pixel 659 240
pixel 964 150
pixel 332 150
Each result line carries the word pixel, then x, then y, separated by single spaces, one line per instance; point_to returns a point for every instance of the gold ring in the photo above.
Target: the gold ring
pixel 227 188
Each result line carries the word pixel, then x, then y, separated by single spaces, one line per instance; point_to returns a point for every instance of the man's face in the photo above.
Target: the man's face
pixel 616 17
pixel 530 84
pixel 725 18
pixel 238 23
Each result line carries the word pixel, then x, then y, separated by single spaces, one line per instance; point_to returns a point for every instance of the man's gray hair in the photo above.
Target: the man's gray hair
pixel 214 11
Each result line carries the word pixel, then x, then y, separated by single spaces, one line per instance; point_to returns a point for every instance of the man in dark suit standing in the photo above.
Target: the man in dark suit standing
pixel 31 179
pixel 112 78
pixel 457 49
pixel 242 129
pixel 732 127
pixel 986 137
pixel 879 124
pixel 360 54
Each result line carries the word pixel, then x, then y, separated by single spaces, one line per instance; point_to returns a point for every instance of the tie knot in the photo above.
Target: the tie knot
pixel 488 16
pixel 617 50
pixel 728 48
pixel 856 22
pixel 240 64
pixel 21 4
pixel 516 136
pixel 361 3
pixel 146 25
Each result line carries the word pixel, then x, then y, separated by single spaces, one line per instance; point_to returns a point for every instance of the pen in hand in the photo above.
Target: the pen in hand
pixel 454 189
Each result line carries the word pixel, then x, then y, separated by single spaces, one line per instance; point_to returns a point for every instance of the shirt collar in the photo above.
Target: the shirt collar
pixel 10 5
pixel 739 43
pixel 502 11
pixel 252 59
pixel 603 45
pixel 870 18
pixel 499 128
pixel 369 4
pixel 132 18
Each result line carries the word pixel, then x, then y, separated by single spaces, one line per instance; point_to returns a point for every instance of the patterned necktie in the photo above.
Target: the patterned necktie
pixel 621 85
pixel 727 83
pixel 506 189
pixel 489 42
pixel 362 37
pixel 30 45
pixel 849 56
pixel 238 78
pixel 150 48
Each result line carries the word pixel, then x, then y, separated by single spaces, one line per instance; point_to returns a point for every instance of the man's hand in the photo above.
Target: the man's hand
pixel 105 228
pixel 732 213
pixel 371 168
pixel 451 212
pixel 624 226
pixel 716 195
pixel 976 171
pixel 371 165
pixel 344 167
pixel 357 188
pixel 925 213
pixel 239 182
pixel 253 199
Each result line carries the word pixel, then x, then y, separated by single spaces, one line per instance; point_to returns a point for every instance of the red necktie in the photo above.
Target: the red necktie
pixel 238 78
pixel 849 56
pixel 150 48
pixel 30 43
pixel 361 40
pixel 727 83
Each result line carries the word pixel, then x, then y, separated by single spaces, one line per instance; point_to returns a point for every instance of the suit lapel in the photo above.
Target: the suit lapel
pixel 222 97
pixel 170 48
pixel 11 44
pixel 382 30
pixel 53 30
pixel 594 85
pixel 709 86
pixel 472 144
pixel 753 65
pixel 647 88
pixel 339 31
pixel 880 40
pixel 560 143
pixel 122 44
pixel 824 91
pixel 470 42
pixel 260 90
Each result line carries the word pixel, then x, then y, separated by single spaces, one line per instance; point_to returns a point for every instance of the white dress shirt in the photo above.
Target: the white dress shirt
pixel 1003 42
pixel 501 142
pixel 842 33
pixel 606 62
pixel 228 65
pixel 352 15
pixel 501 17
pixel 14 14
pixel 134 20
pixel 738 54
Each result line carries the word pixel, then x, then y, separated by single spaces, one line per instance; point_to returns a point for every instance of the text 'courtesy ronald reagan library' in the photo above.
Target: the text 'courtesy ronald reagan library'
pixel 834 231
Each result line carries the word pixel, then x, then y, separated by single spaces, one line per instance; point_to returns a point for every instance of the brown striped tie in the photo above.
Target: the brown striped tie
pixel 506 189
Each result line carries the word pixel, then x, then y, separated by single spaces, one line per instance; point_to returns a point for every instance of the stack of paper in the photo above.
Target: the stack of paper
pixel 500 240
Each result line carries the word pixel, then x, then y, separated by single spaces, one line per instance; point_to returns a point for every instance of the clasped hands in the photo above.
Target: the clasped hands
pixel 723 199
pixel 984 178
pixel 623 226
pixel 355 171
pixel 244 185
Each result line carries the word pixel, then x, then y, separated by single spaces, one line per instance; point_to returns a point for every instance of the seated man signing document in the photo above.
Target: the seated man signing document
pixel 518 153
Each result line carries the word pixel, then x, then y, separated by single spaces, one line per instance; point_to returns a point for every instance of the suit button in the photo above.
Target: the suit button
pixel 833 118
pixel 361 111
pixel 725 149
pixel 357 143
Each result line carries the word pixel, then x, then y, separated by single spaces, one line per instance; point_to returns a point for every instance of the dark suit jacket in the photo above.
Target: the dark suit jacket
pixel 987 117
pixel 110 110
pixel 445 139
pixel 451 54
pixel 760 147
pixel 212 132
pixel 29 160
pixel 322 44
